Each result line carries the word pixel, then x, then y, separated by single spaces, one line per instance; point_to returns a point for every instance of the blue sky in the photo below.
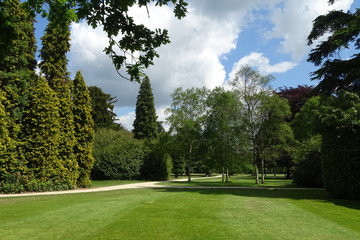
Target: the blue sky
pixel 208 46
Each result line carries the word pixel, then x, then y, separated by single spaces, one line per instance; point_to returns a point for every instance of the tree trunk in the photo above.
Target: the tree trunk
pixel 262 171
pixel 222 175
pixel 256 174
pixel 189 173
pixel 227 175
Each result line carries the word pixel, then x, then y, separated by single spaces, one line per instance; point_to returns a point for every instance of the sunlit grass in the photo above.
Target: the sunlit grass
pixel 181 214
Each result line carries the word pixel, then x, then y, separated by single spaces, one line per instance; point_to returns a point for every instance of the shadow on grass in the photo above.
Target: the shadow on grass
pixel 298 194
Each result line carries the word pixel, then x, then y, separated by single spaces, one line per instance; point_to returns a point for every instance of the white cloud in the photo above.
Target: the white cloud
pixel 262 63
pixel 192 59
pixel 293 22
pixel 127 120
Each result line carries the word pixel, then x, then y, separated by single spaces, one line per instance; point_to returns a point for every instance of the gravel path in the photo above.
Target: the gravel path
pixel 142 185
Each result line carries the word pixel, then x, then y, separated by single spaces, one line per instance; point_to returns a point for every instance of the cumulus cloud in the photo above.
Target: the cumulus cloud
pixel 262 63
pixel 292 22
pixel 192 59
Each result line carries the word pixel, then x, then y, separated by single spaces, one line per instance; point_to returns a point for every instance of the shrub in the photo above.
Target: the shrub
pixel 117 155
pixel 158 164
pixel 307 171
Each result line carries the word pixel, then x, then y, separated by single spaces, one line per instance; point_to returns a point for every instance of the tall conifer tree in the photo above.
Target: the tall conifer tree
pixel 84 130
pixel 41 129
pixel 145 125
pixel 56 43
pixel 7 144
pixel 17 58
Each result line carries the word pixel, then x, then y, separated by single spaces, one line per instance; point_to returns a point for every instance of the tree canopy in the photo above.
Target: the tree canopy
pixel 336 74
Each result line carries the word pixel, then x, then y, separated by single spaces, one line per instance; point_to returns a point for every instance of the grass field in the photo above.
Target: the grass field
pixel 181 214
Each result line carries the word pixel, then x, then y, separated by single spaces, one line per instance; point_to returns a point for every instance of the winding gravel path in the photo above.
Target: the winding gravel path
pixel 143 185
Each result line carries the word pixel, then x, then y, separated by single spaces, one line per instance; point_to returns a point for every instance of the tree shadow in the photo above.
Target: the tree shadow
pixel 317 195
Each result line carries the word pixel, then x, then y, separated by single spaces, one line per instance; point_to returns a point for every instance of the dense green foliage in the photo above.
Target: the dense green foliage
pixel 41 129
pixel 84 130
pixel 340 129
pixel 117 155
pixel 17 40
pixel 308 166
pixel 145 125
pixel 7 144
pixel 186 119
pixel 157 160
pixel 223 131
pixel 335 73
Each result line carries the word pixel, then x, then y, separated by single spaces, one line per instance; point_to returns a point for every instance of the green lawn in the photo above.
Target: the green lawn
pixel 237 180
pixel 181 214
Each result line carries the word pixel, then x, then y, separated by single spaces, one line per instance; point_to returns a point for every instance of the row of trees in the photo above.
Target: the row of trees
pixel 46 123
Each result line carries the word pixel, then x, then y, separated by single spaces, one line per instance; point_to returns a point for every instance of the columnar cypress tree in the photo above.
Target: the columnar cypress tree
pixel 41 129
pixel 56 43
pixel 145 125
pixel 17 58
pixel 84 130
pixel 7 144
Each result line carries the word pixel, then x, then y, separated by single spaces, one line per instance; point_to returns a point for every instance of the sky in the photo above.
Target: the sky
pixel 207 47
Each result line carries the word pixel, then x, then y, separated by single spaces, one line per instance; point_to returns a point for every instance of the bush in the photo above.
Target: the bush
pixel 158 163
pixel 117 155
pixel 307 171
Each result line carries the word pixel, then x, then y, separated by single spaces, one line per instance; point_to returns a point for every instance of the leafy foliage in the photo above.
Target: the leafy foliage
pixel 336 74
pixel 41 129
pixel 84 130
pixel 117 155
pixel 340 129
pixel 7 144
pixel 186 119
pixel 308 168
pixel 157 161
pixel 17 40
pixel 296 97
pixel 223 130
pixel 145 125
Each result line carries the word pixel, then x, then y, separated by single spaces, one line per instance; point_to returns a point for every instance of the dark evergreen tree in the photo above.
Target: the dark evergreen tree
pixel 17 40
pixel 102 108
pixel 336 74
pixel 84 130
pixel 17 64
pixel 56 43
pixel 145 125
